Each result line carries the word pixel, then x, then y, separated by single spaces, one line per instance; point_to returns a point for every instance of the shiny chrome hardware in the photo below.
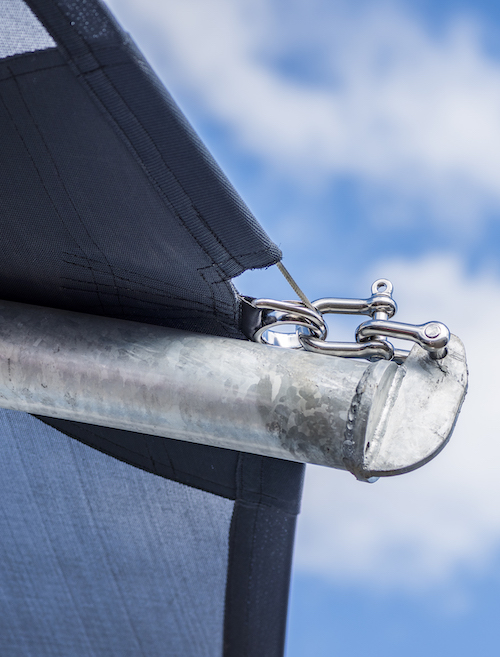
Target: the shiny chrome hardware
pixel 433 336
pixel 373 350
pixel 371 336
pixel 380 305
pixel 277 314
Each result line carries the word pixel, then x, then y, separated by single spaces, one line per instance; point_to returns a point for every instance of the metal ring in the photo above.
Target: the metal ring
pixel 375 349
pixel 382 286
pixel 287 313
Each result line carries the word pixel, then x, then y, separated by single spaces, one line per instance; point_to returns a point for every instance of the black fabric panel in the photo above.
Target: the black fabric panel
pixel 110 204
pixel 211 469
pixel 261 543
pixel 148 119
pixel 251 317
pixel 30 62
pixel 260 558
pixel 85 229
pixel 271 482
pixel 254 479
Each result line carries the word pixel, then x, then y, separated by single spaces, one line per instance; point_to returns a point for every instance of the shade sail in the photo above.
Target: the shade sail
pixel 115 543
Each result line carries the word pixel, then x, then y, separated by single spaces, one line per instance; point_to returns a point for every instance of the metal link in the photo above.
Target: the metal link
pixel 287 313
pixel 380 302
pixel 374 349
pixel 380 305
pixel 371 336
pixel 433 336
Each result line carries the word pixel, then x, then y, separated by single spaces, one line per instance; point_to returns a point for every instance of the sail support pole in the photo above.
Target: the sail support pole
pixel 374 419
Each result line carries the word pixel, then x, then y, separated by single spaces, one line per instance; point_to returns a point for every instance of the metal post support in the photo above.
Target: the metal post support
pixel 240 395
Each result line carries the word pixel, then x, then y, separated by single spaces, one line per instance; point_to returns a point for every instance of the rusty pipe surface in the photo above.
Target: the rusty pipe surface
pixel 229 393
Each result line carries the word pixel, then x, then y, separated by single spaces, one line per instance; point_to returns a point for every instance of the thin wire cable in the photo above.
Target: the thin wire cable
pixel 294 286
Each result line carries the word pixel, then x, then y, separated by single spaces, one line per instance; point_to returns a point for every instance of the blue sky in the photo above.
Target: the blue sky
pixel 365 137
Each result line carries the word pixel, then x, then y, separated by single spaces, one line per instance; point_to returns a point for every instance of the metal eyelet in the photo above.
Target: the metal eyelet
pixel 277 314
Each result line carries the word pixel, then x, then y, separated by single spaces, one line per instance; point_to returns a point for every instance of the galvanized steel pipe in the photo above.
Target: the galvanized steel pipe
pixel 227 393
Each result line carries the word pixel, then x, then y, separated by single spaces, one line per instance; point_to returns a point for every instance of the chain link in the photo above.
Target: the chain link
pixel 371 336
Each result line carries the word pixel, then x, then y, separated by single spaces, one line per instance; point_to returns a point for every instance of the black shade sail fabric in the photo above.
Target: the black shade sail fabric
pixel 114 543
pixel 132 216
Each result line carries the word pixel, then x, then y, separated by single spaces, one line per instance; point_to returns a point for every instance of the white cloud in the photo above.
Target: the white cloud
pixel 396 106
pixel 420 529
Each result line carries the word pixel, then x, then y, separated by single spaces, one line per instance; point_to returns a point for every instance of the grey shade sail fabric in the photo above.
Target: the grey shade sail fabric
pixel 98 563
pixel 267 494
pixel 111 205
pixel 20 30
